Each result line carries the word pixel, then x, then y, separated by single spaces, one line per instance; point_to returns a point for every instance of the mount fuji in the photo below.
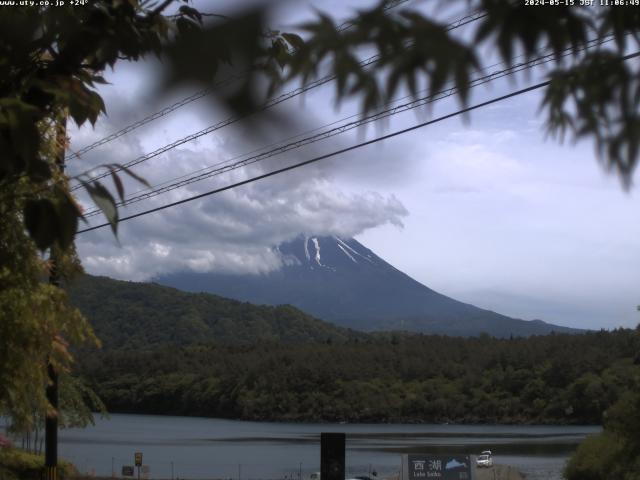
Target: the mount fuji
pixel 342 281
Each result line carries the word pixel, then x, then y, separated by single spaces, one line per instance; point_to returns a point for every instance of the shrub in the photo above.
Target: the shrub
pixel 599 457
pixel 17 464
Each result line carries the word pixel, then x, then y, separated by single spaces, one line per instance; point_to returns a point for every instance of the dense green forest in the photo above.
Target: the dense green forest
pixel 391 377
pixel 130 315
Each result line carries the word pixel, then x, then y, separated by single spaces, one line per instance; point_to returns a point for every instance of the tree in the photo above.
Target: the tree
pixel 614 453
pixel 591 93
pixel 50 62
pixel 52 58
pixel 36 320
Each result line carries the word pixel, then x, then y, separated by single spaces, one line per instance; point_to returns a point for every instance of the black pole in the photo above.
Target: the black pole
pixel 332 456
pixel 51 420
pixel 51 426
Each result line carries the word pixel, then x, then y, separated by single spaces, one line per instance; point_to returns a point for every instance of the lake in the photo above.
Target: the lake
pixel 198 448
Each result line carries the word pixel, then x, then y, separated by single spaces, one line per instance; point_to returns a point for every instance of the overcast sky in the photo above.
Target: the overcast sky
pixel 486 211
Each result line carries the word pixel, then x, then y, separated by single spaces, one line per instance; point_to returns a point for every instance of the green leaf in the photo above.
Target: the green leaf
pixel 105 202
pixel 190 12
pixel 78 112
pixel 294 40
pixel 134 176
pixel 118 183
pixel 95 107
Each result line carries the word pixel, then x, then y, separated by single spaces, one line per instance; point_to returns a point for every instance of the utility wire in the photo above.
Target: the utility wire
pixel 150 118
pixel 196 96
pixel 226 166
pixel 269 104
pixel 223 167
pixel 297 136
pixel 328 155
pixel 224 123
pixel 337 152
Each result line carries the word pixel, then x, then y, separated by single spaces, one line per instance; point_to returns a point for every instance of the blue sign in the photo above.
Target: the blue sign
pixel 442 467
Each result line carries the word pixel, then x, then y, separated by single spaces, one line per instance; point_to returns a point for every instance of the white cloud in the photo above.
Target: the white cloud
pixel 498 216
pixel 235 230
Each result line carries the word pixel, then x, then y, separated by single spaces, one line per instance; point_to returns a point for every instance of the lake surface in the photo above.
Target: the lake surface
pixel 199 448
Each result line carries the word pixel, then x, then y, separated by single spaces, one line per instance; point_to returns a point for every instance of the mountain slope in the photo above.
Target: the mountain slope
pixel 344 282
pixel 133 315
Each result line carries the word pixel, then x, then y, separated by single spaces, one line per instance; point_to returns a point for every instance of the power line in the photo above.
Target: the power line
pixel 488 68
pixel 326 156
pixel 150 118
pixel 224 123
pixel 269 104
pixel 338 152
pixel 192 98
pixel 391 4
pixel 223 167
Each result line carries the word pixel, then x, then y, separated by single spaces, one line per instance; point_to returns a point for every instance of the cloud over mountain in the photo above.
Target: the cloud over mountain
pixel 233 231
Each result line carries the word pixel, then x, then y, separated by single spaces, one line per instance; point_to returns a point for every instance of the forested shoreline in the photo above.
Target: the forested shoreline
pixel 553 379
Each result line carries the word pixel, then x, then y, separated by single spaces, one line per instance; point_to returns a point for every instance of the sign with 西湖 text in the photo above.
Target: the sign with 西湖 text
pixel 437 467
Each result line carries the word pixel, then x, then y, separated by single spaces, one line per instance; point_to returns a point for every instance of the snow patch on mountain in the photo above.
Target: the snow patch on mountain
pixel 306 249
pixel 317 245
pixel 347 253
pixel 345 282
pixel 342 244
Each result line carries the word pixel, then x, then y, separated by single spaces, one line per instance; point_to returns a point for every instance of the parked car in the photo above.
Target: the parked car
pixel 484 461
